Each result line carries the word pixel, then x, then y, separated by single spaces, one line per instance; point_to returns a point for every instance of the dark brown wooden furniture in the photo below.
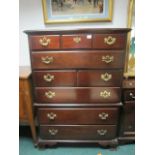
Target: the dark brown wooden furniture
pixel 25 100
pixel 127 123
pixel 77 77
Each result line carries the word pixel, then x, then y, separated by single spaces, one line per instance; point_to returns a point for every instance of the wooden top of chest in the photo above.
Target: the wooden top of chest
pixel 70 31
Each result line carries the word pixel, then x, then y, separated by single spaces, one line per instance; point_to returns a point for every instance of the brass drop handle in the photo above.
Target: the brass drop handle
pixel 108 59
pixel 77 39
pixel 102 132
pixel 103 116
pixel 51 116
pixel 132 95
pixel 106 77
pixel 47 60
pixel 48 77
pixel 105 94
pixel 53 132
pixel 109 40
pixel 50 94
pixel 44 41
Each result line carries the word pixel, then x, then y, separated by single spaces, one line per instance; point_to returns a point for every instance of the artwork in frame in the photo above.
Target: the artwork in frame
pixel 74 11
pixel 130 58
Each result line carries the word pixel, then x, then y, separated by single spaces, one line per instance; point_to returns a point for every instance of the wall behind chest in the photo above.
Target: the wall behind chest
pixel 31 17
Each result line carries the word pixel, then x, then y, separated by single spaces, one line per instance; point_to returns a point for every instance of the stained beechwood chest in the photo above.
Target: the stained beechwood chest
pixel 77 84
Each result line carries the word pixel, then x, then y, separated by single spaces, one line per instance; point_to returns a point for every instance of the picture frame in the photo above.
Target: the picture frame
pixel 130 54
pixel 77 11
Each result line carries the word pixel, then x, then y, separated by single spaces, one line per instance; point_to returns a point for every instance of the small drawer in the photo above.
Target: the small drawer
pixel 78 59
pixel 129 95
pixel 55 78
pixel 77 95
pixel 44 42
pixel 129 83
pixel 76 41
pixel 78 132
pixel 78 116
pixel 100 78
pixel 109 41
pixel 129 117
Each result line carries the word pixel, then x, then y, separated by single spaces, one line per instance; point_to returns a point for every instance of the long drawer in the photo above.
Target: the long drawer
pixel 52 78
pixel 99 78
pixel 78 132
pixel 77 94
pixel 78 59
pixel 81 78
pixel 78 116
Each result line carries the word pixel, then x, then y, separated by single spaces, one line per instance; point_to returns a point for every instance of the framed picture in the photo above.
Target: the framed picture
pixel 72 11
pixel 130 57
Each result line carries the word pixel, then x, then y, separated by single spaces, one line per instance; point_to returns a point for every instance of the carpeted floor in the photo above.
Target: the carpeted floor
pixel 26 148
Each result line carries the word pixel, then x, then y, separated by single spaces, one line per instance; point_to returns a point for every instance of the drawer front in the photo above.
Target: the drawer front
pixel 129 83
pixel 46 42
pixel 76 41
pixel 77 95
pixel 129 117
pixel 78 115
pixel 54 78
pixel 77 59
pixel 129 95
pixel 77 132
pixel 109 41
pixel 100 77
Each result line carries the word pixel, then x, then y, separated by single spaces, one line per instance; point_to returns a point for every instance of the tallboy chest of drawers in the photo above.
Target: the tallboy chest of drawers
pixel 77 81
